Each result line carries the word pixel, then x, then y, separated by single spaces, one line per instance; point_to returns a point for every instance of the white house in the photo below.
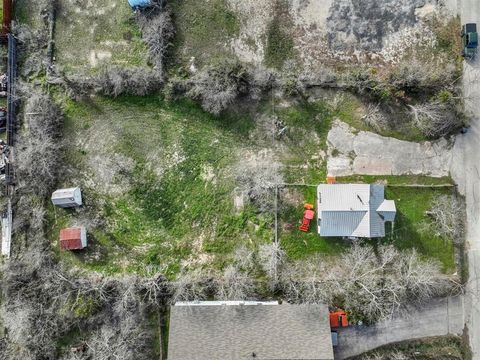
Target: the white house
pixel 353 210
pixel 65 198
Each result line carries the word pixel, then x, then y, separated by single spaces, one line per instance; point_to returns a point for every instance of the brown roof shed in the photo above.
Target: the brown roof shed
pixel 73 238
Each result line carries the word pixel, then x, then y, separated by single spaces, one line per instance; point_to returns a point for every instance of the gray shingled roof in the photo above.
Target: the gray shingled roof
pixel 224 332
pixel 358 210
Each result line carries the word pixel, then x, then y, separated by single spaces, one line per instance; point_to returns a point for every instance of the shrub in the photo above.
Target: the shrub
pixel 116 81
pixel 157 33
pixel 38 155
pixel 279 44
pixel 436 119
pixel 217 86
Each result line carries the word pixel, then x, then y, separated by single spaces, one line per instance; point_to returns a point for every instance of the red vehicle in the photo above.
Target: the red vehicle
pixel 308 216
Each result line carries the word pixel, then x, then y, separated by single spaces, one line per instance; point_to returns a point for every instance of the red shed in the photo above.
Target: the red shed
pixel 73 238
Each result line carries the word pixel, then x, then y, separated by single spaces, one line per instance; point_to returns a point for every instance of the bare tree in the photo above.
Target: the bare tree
pixel 373 285
pixel 414 76
pixel 155 289
pixel 308 281
pixel 234 284
pixel 374 118
pixel 244 258
pixel 449 213
pixel 324 78
pixel 261 79
pixel 435 119
pixel 38 154
pixel 38 162
pixel 115 81
pixel 271 258
pixel 124 337
pixel 33 43
pixel 217 86
pixel 258 175
pixel 189 286
pixel 157 33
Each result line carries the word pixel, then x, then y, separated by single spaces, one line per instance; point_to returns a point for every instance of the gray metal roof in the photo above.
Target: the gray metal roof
pixel 238 332
pixel 358 210
pixel 64 193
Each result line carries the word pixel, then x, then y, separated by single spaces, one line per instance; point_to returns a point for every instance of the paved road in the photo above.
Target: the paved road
pixel 466 172
pixel 441 317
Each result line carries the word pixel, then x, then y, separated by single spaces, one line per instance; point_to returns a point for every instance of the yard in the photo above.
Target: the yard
pixel 169 189
pixel 412 228
pixel 162 181
pixel 89 36
pixel 167 186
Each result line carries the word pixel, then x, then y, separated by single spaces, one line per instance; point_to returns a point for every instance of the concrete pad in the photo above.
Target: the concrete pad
pixel 341 137
pixel 375 166
pixel 372 154
pixel 339 165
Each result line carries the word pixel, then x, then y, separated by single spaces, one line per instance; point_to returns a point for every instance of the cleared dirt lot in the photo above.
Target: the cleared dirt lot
pixel 309 33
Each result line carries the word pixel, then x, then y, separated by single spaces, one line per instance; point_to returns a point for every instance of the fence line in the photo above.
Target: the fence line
pixel 7 216
pixel 386 185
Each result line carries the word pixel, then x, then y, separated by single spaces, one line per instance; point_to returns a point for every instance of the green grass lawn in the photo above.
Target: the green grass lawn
pixel 412 228
pixel 402 130
pixel 396 180
pixel 280 44
pixel 308 125
pixel 202 31
pixel 169 211
pixel 159 180
pixel 175 202
pixel 102 32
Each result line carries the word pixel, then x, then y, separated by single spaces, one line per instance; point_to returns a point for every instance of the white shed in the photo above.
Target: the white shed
pixel 66 198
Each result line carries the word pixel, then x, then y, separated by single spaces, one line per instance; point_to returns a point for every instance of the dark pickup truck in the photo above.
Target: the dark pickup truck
pixel 469 40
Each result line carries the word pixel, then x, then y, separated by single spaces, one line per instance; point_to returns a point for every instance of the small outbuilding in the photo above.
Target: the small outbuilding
pixel 73 238
pixel 66 198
